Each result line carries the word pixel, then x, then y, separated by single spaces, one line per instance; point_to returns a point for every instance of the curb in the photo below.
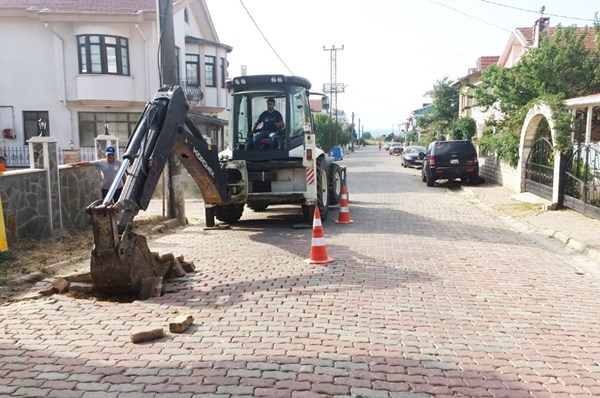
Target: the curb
pixel 523 226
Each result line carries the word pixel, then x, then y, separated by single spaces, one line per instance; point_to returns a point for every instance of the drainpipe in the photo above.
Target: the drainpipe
pixel 62 66
pixel 146 93
pixel 63 95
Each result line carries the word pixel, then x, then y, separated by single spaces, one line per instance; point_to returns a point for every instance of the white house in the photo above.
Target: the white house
pixel 88 66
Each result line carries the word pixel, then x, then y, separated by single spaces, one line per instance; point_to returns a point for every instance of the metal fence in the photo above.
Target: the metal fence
pixel 583 175
pixel 18 157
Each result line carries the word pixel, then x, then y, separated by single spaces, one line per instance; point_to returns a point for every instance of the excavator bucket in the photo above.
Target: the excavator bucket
pixel 122 264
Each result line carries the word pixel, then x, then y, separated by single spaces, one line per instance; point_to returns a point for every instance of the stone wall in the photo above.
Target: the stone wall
pixel 79 187
pixel 493 170
pixel 24 195
pixel 25 200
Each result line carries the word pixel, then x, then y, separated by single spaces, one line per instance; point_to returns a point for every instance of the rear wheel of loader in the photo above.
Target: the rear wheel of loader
pixel 335 184
pixel 229 213
pixel 259 205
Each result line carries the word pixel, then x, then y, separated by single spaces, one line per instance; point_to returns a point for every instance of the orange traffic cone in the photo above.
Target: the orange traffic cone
pixel 344 216
pixel 318 251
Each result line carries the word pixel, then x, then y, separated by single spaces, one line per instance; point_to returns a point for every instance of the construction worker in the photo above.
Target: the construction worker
pixel 109 167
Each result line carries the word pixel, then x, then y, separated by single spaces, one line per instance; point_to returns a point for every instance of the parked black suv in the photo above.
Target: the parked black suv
pixel 447 160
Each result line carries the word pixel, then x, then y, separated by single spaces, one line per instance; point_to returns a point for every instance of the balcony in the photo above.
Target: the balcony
pixel 106 88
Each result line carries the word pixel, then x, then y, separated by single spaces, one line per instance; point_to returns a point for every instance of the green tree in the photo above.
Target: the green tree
pixel 462 128
pixel 327 132
pixel 561 67
pixel 443 111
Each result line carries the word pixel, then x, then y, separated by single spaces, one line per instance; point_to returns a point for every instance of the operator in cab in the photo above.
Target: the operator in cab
pixel 268 124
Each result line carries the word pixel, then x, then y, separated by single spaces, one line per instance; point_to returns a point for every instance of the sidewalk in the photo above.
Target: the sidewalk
pixel 527 212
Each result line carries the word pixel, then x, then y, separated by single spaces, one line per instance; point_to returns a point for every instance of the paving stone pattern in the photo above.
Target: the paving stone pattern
pixel 429 296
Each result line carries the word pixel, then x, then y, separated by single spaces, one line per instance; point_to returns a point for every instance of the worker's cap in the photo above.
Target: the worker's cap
pixel 110 150
pixel 270 99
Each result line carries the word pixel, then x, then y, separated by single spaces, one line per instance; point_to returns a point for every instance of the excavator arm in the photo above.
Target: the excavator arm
pixel 121 261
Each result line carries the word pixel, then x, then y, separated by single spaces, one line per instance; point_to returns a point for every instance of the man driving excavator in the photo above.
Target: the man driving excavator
pixel 268 124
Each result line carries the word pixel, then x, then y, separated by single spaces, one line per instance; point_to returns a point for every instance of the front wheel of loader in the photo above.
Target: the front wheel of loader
pixel 230 213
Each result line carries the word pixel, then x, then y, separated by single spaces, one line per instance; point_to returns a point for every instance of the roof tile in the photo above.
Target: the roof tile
pixel 590 40
pixel 82 6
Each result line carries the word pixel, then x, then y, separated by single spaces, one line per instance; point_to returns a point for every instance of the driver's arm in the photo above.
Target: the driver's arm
pixel 259 121
pixel 280 124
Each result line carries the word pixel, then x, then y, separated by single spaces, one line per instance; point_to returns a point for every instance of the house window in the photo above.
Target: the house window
pixel 31 127
pixel 209 71
pixel 100 54
pixel 223 72
pixel 192 70
pixel 186 16
pixel 91 125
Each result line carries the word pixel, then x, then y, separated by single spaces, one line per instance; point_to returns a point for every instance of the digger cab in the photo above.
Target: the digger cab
pixel 249 96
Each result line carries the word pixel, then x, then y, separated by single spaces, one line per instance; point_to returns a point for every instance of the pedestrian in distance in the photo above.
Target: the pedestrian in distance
pixel 109 167
pixel 379 145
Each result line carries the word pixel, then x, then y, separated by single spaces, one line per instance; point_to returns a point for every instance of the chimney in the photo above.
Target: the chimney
pixel 540 26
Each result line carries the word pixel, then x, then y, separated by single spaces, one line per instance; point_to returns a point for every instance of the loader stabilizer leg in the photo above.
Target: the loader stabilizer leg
pixel 120 265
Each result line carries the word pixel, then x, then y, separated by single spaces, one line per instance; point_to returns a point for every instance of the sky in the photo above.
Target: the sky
pixel 394 51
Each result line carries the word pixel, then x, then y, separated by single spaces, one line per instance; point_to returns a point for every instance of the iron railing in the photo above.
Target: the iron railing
pixel 18 157
pixel 582 174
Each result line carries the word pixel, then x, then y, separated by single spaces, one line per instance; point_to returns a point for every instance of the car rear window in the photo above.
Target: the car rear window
pixel 446 147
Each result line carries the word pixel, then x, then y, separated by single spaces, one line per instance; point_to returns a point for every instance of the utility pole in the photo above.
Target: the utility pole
pixel 168 75
pixel 352 141
pixel 333 86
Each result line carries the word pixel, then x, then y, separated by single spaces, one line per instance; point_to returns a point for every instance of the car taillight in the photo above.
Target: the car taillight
pixel 475 160
pixel 431 160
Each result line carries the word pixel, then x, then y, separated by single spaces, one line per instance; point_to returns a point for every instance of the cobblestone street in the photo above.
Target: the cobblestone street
pixel 429 296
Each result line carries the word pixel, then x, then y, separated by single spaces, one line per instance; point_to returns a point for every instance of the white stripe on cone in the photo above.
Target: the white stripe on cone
pixel 318 242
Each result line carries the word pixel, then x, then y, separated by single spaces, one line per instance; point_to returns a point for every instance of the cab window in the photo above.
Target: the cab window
pixel 300 112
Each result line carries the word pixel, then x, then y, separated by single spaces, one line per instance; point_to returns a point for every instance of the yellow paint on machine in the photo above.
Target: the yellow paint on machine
pixel 3 243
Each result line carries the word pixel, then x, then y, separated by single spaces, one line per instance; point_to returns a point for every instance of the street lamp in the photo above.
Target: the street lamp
pixel 106 127
pixel 42 124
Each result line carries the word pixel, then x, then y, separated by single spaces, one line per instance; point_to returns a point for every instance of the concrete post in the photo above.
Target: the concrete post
pixel 104 141
pixel 43 154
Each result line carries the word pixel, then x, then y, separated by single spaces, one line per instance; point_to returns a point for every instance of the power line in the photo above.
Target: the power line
pixel 537 12
pixel 265 37
pixel 470 16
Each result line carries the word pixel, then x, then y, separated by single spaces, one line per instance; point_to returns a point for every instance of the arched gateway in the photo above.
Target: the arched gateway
pixel 538 168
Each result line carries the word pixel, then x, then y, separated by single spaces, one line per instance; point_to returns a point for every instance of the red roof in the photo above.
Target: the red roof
pixel 529 35
pixel 82 6
pixel 486 61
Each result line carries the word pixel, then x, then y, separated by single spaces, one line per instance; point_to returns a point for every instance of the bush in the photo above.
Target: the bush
pixel 504 144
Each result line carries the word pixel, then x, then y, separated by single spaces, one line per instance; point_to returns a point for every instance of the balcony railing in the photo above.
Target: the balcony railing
pixel 192 92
